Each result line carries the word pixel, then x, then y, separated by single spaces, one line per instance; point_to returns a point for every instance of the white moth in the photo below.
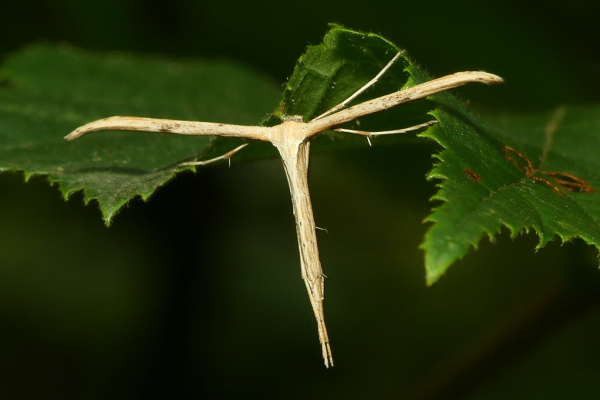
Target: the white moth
pixel 292 139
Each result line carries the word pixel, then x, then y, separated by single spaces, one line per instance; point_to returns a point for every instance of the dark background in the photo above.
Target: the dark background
pixel 197 293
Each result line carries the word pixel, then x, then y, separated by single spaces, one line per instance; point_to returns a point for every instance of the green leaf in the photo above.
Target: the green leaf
pixel 331 72
pixel 48 91
pixel 502 193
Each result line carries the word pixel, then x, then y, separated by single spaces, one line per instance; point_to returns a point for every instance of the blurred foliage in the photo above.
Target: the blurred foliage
pixel 53 90
pixel 197 293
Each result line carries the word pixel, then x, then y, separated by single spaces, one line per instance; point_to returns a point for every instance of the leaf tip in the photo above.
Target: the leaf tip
pixel 431 278
pixel 436 264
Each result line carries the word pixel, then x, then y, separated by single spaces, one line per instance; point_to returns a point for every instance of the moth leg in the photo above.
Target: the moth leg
pixel 369 135
pixel 362 89
pixel 226 156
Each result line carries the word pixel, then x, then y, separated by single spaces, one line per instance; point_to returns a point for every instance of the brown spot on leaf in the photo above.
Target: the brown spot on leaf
pixel 472 175
pixel 524 165
pixel 548 183
pixel 569 182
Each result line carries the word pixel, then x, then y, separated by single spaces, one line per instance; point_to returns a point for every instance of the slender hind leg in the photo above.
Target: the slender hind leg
pixel 369 135
pixel 226 156
pixel 362 89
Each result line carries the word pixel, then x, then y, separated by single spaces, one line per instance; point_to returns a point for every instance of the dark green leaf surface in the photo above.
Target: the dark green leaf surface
pixel 329 73
pixel 505 195
pixel 48 91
